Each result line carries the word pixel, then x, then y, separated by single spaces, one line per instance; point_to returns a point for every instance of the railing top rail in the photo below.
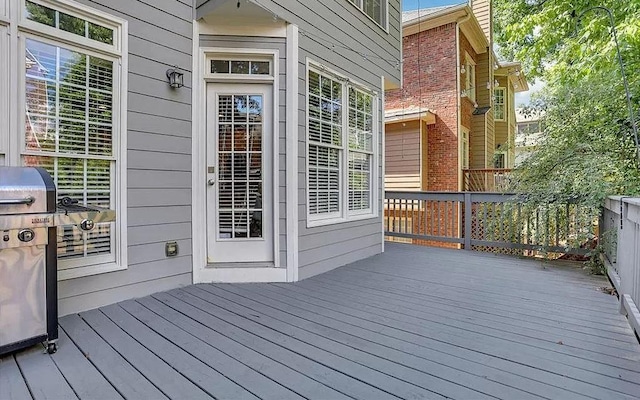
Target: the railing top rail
pixel 506 170
pixel 452 196
pixel 613 203
pixel 412 195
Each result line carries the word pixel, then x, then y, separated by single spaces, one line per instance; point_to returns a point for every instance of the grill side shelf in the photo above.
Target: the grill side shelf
pixel 65 217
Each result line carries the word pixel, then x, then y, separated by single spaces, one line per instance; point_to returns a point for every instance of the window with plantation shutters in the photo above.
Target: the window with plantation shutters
pixel 360 149
pixel 71 119
pixel 341 148
pixel 325 144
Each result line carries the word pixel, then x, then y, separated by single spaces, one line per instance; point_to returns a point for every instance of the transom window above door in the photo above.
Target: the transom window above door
pixel 240 67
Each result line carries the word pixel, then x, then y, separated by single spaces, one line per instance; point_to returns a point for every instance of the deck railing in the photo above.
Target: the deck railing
pixel 486 180
pixel 492 222
pixel 621 239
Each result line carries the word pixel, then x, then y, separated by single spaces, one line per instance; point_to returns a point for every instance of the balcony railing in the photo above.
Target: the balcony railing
pixel 486 180
pixel 621 240
pixel 486 222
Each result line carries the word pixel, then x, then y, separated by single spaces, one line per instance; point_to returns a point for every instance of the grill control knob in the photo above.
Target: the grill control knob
pixel 87 224
pixel 26 235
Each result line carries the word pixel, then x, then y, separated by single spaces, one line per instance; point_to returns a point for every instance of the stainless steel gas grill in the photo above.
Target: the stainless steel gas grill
pixel 29 217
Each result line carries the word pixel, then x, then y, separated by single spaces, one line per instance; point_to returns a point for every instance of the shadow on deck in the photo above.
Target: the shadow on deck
pixel 414 322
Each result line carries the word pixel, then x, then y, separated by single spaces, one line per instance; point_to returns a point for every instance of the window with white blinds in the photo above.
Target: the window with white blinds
pixel 341 148
pixel 360 150
pixel 498 103
pixel 71 119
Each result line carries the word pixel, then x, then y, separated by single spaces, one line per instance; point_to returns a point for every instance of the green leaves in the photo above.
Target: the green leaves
pixel 588 151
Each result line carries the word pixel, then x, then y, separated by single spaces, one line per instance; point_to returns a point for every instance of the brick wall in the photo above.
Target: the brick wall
pixel 429 77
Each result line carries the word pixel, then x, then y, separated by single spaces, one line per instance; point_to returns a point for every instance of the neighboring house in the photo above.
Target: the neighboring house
pixel 265 166
pixel 454 115
pixel 509 80
pixel 529 134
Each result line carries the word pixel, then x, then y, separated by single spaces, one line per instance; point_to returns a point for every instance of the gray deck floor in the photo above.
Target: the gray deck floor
pixel 415 322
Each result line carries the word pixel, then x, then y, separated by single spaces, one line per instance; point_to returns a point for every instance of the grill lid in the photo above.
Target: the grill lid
pixel 26 190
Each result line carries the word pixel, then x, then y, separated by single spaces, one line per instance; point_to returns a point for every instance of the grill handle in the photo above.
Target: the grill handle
pixel 12 202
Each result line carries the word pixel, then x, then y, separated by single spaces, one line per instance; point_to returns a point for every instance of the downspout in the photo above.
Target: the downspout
pixel 459 21
pixel 459 114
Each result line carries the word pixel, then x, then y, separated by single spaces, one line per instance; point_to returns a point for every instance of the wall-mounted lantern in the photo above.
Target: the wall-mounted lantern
pixel 176 78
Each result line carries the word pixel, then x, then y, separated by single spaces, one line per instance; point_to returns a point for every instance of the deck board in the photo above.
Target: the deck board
pixel 473 386
pixel 373 361
pixel 84 379
pixel 504 354
pixel 206 378
pixel 43 378
pixel 465 372
pixel 289 355
pixel 244 364
pixel 12 384
pixel 126 379
pixel 414 322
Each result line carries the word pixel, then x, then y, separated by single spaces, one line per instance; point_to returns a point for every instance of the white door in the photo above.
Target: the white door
pixel 239 173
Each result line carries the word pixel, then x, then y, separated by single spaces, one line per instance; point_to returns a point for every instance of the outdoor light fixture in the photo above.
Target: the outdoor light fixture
pixel 496 83
pixel 632 116
pixel 176 78
pixel 462 69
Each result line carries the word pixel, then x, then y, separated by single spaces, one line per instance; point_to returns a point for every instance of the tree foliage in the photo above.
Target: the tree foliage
pixel 588 151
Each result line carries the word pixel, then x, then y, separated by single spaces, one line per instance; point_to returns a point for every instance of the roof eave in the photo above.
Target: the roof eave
pixel 471 28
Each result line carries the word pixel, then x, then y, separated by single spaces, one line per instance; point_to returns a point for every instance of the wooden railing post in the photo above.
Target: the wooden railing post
pixel 467 220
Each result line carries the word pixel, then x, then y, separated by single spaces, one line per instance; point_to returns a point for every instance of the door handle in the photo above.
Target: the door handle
pixel 211 182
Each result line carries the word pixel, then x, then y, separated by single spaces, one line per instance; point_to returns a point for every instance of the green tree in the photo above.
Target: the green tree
pixel 589 150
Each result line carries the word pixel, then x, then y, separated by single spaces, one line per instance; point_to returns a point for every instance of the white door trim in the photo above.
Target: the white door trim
pixel 201 273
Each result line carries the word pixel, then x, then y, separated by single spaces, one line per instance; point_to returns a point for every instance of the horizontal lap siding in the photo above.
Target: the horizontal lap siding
pixel 158 157
pixel 280 45
pixel 402 158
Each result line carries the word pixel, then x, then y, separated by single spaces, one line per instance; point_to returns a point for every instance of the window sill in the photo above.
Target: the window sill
pixel 314 223
pixel 80 272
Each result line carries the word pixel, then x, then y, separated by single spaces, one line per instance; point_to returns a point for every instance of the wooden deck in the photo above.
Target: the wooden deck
pixel 415 322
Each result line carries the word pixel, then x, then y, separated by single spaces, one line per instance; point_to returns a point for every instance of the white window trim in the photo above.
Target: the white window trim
pixel 78 267
pixel 4 11
pixel 504 103
pixel 464 138
pixel 470 72
pixel 344 215
pixel 359 4
pixel 84 12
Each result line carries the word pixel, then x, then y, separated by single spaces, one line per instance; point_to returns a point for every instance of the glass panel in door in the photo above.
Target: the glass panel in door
pixel 240 170
pixel 240 166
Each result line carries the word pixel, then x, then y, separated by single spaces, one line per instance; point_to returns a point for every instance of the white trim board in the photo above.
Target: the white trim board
pixel 292 153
